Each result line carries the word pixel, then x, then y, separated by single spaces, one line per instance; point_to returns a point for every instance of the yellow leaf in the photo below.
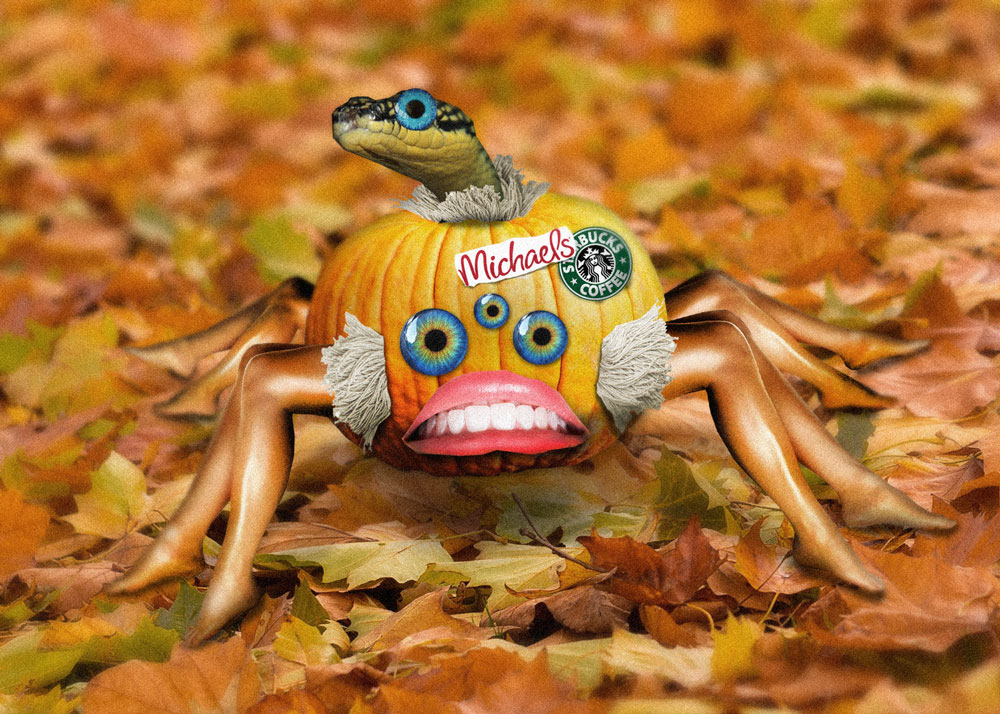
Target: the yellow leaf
pixel 300 642
pixel 116 501
pixel 733 655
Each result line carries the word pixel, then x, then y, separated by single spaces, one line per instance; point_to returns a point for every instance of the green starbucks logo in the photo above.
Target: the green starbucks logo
pixel 601 266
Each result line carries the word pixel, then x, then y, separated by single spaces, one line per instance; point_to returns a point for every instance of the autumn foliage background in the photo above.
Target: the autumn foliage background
pixel 164 162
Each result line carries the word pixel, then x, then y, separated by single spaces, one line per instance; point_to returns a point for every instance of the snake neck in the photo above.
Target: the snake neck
pixel 456 172
pixel 445 155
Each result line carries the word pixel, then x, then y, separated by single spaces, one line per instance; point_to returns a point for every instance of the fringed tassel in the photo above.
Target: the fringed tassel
pixel 480 203
pixel 357 379
pixel 635 367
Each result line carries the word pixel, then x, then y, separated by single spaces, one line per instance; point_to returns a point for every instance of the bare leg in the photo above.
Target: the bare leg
pixel 274 385
pixel 776 329
pixel 717 357
pixel 866 499
pixel 180 356
pixel 177 549
pixel 278 323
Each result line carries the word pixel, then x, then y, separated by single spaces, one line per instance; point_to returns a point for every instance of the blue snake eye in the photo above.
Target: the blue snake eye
pixel 491 311
pixel 540 337
pixel 416 109
pixel 433 342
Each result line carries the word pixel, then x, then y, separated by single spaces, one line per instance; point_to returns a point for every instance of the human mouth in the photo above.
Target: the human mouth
pixel 497 410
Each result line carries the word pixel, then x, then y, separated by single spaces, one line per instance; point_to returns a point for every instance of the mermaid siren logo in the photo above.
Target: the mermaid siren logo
pixel 601 266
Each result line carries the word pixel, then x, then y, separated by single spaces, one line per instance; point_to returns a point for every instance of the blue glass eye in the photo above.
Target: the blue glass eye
pixel 540 337
pixel 433 342
pixel 416 109
pixel 491 311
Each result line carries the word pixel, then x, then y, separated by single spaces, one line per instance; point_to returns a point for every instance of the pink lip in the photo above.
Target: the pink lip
pixel 495 387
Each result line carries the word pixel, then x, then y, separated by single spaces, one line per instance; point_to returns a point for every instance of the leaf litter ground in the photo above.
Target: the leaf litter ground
pixel 165 162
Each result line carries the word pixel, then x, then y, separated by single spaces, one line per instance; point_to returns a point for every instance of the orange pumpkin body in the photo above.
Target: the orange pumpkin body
pixel 402 263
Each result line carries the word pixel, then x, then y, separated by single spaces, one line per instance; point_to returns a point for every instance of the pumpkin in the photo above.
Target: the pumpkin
pixel 403 263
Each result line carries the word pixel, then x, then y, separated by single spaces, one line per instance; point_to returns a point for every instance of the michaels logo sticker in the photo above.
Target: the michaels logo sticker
pixel 515 257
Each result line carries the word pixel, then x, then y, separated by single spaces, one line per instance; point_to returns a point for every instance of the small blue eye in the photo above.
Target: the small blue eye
pixel 540 337
pixel 491 311
pixel 416 109
pixel 433 342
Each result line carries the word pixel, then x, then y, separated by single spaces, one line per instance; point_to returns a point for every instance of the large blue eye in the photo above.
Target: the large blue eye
pixel 540 337
pixel 433 342
pixel 416 109
pixel 491 311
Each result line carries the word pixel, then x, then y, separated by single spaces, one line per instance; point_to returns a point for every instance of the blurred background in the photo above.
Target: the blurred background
pixel 177 155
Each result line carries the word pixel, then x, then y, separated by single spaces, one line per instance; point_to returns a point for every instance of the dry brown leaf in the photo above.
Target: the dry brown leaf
pixel 769 568
pixel 647 577
pixel 946 381
pixel 974 542
pixel 582 609
pixel 665 630
pixel 423 614
pixel 928 605
pixel 219 678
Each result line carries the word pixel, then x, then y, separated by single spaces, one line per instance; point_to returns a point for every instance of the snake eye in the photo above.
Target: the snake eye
pixel 415 109
pixel 433 342
pixel 491 311
pixel 540 337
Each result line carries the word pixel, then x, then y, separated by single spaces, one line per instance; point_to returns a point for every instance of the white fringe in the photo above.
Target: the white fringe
pixel 480 203
pixel 635 366
pixel 357 379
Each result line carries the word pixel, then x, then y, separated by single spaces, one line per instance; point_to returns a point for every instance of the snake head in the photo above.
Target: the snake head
pixel 418 136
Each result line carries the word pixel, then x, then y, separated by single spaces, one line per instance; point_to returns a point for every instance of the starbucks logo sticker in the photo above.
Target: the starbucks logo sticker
pixel 601 265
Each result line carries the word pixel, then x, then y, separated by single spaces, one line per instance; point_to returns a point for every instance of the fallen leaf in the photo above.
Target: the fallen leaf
pixel 582 609
pixel 946 381
pixel 928 605
pixel 732 657
pixel 359 564
pixel 770 568
pixel 21 530
pixel 646 576
pixel 219 678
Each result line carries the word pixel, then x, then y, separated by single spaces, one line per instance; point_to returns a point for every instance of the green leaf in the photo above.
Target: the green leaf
pixel 22 665
pixel 853 430
pixel 364 618
pixel 520 567
pixel 362 563
pixel 306 607
pixel 183 611
pixel 281 251
pixel 549 508
pixel 148 642
pixel 682 496
pixel 51 702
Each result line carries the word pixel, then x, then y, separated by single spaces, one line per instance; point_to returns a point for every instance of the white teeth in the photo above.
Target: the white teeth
pixel 477 418
pixel 503 416
pixel 456 420
pixel 525 416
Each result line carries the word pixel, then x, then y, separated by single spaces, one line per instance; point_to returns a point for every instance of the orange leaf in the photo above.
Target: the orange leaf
pixel 928 604
pixel 21 530
pixel 219 678
pixel 768 568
